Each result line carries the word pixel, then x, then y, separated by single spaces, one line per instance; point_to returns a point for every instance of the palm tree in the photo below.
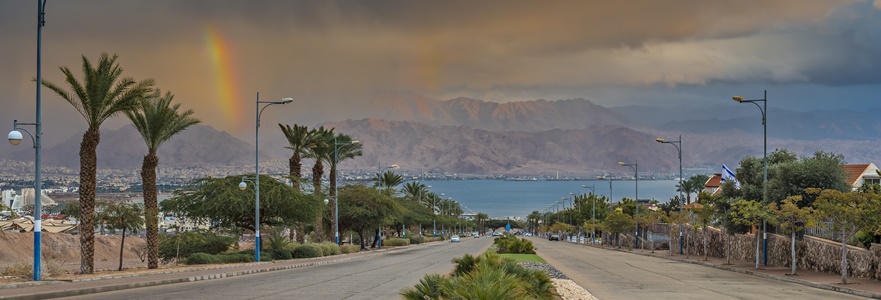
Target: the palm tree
pixel 321 150
pixel 344 149
pixel 157 120
pixel 388 180
pixel 414 190
pixel 481 219
pixel 101 95
pixel 300 139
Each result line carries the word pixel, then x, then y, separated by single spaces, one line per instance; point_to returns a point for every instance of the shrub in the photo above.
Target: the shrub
pixel 276 239
pixel 350 249
pixel 307 251
pixel 192 242
pixel 511 244
pixel 394 242
pixel 19 269
pixel 416 240
pixel 329 248
pixel 279 253
pixel 200 258
pixel 229 258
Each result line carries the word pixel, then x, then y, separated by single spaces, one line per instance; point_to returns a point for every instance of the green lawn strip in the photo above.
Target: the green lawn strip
pixel 520 257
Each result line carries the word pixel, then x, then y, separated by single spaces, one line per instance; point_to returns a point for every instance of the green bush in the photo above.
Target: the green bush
pixel 307 251
pixel 279 253
pixel 329 248
pixel 394 242
pixel 350 249
pixel 192 242
pixel 229 258
pixel 416 240
pixel 200 258
pixel 511 244
pixel 488 276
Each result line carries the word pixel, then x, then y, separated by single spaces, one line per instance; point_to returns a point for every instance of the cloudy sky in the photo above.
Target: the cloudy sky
pixel 216 55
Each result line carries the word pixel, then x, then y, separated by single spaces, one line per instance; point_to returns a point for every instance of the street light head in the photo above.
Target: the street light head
pixel 326 201
pixel 243 185
pixel 621 163
pixel 14 137
pixel 599 177
pixel 355 142
pixel 394 166
pixel 660 140
pixel 286 100
pixel 737 98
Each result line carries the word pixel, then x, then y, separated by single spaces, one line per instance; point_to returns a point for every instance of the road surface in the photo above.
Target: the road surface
pixel 375 277
pixel 609 274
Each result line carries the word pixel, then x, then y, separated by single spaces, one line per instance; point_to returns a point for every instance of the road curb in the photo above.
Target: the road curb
pixel 758 274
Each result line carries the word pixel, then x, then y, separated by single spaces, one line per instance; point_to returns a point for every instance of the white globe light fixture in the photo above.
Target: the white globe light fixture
pixel 14 137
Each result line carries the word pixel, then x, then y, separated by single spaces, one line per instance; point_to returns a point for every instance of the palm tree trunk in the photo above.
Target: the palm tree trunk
pixel 121 246
pixel 758 242
pixel 317 172
pixel 728 250
pixel 88 173
pixel 151 208
pixel 295 167
pixel 706 243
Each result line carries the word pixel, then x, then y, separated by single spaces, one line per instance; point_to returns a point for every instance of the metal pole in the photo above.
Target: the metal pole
pixel 681 243
pixel 765 180
pixel 636 172
pixel 38 187
pixel 257 181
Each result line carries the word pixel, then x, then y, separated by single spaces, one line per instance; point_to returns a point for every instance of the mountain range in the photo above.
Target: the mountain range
pixel 471 136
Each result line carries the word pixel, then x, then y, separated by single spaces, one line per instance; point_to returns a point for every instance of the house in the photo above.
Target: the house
pixel 713 184
pixel 857 174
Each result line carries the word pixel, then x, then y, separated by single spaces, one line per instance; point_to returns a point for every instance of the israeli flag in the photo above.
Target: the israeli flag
pixel 727 174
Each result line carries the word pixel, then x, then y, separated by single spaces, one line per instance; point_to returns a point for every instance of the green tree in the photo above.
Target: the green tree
pixel 617 223
pixel 219 201
pixel 414 190
pixel 848 212
pixel 693 185
pixel 749 213
pixel 321 150
pixel 121 215
pixel 680 219
pixel 388 180
pixel 726 215
pixel 157 120
pixel 101 95
pixel 790 178
pixel 791 219
pixel 704 216
pixel 365 209
pixel 481 219
pixel 300 140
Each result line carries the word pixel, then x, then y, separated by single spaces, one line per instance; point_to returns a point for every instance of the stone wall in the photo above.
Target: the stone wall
pixel 811 253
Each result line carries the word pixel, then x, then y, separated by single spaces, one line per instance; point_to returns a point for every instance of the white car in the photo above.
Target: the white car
pixel 454 239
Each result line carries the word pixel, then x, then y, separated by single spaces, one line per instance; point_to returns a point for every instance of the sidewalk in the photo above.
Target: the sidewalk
pixel 821 280
pixel 84 286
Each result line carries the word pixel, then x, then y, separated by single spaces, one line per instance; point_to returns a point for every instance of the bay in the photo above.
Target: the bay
pixel 504 199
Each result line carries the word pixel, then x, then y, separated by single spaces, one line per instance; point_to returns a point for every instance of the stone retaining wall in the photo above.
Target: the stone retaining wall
pixel 811 253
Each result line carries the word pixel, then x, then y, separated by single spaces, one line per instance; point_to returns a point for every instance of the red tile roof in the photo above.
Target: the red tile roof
pixel 714 181
pixel 853 172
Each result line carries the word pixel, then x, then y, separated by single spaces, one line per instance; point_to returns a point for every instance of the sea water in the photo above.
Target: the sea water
pixel 501 199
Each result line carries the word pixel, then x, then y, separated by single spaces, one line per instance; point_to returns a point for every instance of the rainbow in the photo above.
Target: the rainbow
pixel 219 52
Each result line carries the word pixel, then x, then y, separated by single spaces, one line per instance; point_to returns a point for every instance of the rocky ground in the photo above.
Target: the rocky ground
pixel 568 289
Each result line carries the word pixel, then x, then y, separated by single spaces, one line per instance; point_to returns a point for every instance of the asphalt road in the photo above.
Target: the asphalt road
pixel 611 274
pixel 375 277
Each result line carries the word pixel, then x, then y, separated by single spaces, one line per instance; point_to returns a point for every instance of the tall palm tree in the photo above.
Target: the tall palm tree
pixel 101 95
pixel 345 149
pixel 321 150
pixel 157 120
pixel 300 139
pixel 481 219
pixel 414 190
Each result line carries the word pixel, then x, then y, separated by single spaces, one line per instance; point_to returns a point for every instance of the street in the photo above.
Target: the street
pixel 609 274
pixel 375 277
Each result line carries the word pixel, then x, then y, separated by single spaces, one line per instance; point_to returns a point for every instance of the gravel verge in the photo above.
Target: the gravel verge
pixel 568 289
pixel 552 272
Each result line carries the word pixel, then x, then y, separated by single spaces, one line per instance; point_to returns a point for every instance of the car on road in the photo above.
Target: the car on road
pixel 554 237
pixel 496 233
pixel 454 239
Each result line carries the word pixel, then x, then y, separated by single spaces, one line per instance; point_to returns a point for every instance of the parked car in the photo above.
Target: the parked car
pixel 554 237
pixel 454 239
pixel 496 233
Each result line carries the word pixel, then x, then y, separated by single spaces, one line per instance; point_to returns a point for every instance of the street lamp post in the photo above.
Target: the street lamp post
pixel 593 215
pixel 336 197
pixel 379 169
pixel 259 111
pixel 764 110
pixel 678 145
pixel 15 138
pixel 635 167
